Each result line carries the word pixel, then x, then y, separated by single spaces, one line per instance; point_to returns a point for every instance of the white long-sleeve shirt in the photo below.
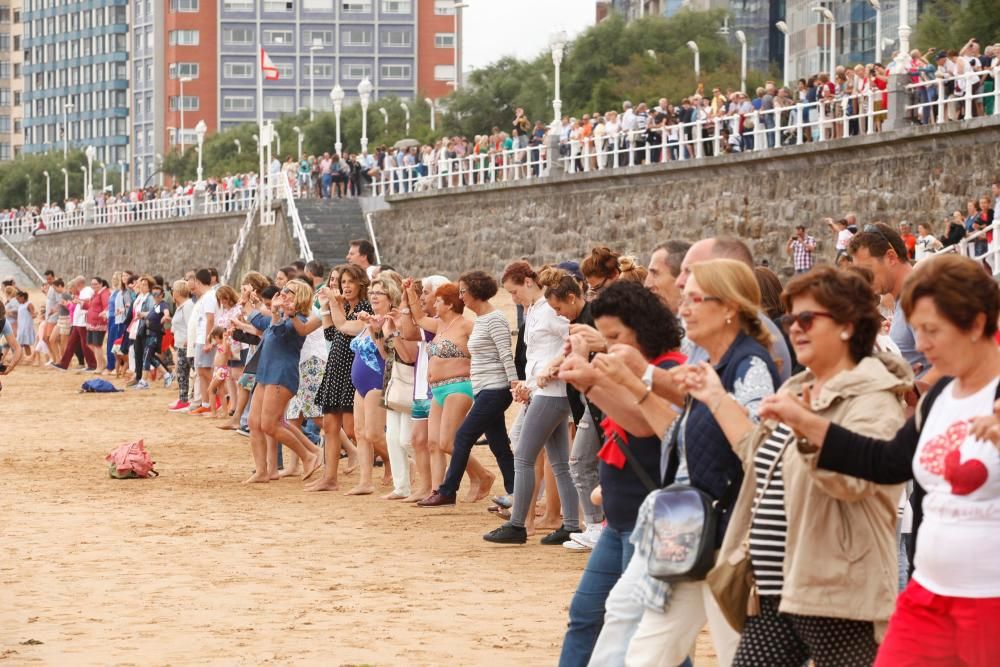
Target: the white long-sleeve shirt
pixel 544 335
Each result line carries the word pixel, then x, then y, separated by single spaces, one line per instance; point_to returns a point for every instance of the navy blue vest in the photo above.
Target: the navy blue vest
pixel 712 465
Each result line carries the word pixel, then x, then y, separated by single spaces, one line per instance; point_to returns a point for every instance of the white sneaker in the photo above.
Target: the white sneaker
pixel 575 546
pixel 589 537
pixel 142 384
pixel 168 380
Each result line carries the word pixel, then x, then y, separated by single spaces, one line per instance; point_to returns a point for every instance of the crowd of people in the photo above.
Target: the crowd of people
pixel 807 467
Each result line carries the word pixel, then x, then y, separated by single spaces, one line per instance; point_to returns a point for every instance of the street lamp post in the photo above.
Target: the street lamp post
pixel 316 46
pixel 783 29
pixel 298 132
pixel 558 44
pixel 365 91
pixel 385 118
pixel 877 6
pixel 430 103
pixel 200 129
pixel 741 37
pixel 337 97
pixel 28 176
pixel 48 189
pixel 180 103
pixel 121 171
pixel 903 57
pixel 104 178
pixel 277 140
pixel 65 186
pixel 406 110
pixel 828 16
pixel 66 109
pixel 697 60
pixel 239 146
pixel 86 190
pixel 89 188
pixel 159 166
pixel 459 6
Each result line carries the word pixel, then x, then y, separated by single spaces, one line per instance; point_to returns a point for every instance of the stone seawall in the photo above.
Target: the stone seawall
pixel 166 248
pixel 919 174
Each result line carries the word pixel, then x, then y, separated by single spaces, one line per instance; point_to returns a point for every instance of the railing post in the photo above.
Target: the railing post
pixel 969 78
pixel 822 121
pixel 717 126
pixel 631 148
pixel 942 107
pixel 870 112
pixel 699 137
pixel 896 110
pixel 996 91
pixel 757 133
pixel 800 112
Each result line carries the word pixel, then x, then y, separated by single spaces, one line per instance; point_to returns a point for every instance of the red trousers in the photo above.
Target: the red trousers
pixel 929 630
pixel 78 337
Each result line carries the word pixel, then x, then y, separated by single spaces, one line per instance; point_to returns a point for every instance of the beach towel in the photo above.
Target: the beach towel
pixel 97 386
pixel 130 461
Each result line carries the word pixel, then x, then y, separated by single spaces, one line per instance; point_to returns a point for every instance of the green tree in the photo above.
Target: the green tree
pixel 947 24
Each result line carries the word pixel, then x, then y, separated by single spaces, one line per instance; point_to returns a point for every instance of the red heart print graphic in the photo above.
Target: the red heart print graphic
pixel 963 477
pixel 937 448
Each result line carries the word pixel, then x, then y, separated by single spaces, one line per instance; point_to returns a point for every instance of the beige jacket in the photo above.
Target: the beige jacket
pixel 840 550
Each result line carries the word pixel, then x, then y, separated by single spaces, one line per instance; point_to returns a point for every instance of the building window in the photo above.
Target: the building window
pixel 397 6
pixel 183 5
pixel 4 123
pixel 444 7
pixel 357 37
pixel 238 36
pixel 4 97
pixel 237 103
pixel 396 72
pixel 190 102
pixel 444 40
pixel 237 5
pixel 397 38
pixel 357 71
pixel 318 71
pixel 278 37
pixel 180 38
pixel 317 6
pixel 357 6
pixel 444 72
pixel 4 151
pixel 238 70
pixel 279 104
pixel 317 37
pixel 4 14
pixel 278 6
pixel 4 69
pixel 184 70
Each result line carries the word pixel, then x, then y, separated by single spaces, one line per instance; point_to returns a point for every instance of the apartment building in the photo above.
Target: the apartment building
pixel 11 82
pixel 75 76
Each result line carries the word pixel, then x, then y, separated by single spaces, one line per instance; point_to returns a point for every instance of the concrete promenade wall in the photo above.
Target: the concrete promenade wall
pixel 919 174
pixel 167 247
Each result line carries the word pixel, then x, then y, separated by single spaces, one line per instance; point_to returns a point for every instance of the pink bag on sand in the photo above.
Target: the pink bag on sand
pixel 129 461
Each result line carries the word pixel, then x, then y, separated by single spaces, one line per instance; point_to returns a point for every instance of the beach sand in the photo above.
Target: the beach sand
pixel 194 568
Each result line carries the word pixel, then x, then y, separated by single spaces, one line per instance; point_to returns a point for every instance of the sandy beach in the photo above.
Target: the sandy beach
pixel 194 568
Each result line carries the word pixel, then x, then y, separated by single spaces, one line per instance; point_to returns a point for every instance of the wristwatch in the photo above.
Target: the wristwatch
pixel 405 311
pixel 647 376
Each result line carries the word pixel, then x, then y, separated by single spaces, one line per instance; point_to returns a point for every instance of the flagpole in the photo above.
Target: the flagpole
pixel 260 126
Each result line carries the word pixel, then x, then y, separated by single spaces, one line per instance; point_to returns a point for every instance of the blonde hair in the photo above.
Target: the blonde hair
pixel 228 293
pixel 388 282
pixel 116 280
pixel 180 288
pixel 630 270
pixel 735 283
pixel 303 296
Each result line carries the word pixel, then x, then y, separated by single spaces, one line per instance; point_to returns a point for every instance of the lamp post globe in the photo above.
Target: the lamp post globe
pixel 365 92
pixel 337 97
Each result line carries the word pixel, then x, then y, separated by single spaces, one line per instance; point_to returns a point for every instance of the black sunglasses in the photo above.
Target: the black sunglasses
pixel 875 229
pixel 805 319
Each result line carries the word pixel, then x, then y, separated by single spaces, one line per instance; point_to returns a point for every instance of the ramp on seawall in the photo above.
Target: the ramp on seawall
pixel 331 225
pixel 10 269
pixel 917 174
pixel 162 247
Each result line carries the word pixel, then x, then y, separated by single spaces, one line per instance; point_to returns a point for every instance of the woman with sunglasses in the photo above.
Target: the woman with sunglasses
pixel 950 611
pixel 822 545
pixel 285 328
pixel 341 301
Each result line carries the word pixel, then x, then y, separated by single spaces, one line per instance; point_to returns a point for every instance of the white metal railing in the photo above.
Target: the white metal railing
pixel 241 241
pixel 24 260
pixel 982 245
pixel 124 212
pixel 944 99
pixel 298 231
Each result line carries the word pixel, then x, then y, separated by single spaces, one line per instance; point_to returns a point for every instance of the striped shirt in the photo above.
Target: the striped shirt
pixel 770 525
pixel 492 357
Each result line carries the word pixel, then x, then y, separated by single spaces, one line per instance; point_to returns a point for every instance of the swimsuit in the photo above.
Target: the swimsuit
pixel 368 367
pixel 446 350
pixel 445 388
pixel 221 373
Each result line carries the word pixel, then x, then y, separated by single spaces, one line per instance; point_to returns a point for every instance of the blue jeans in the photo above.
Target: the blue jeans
pixel 485 417
pixel 607 561
pixel 325 182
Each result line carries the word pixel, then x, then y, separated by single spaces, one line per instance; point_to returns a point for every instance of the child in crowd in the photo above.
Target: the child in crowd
pixel 42 354
pixel 220 373
pixel 183 305
pixel 26 325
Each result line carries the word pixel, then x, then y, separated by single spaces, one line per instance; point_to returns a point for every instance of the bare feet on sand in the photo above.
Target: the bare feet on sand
pixel 323 485
pixel 310 467
pixel 480 488
pixel 360 491
pixel 417 496
pixel 256 479
pixel 291 471
pixel 393 496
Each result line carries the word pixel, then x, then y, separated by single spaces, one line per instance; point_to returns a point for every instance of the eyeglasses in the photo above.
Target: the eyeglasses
pixel 286 290
pixel 373 293
pixel 875 229
pixel 697 300
pixel 805 319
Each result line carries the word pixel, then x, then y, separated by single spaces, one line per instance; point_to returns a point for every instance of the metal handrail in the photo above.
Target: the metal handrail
pixel 298 231
pixel 240 244
pixel 24 259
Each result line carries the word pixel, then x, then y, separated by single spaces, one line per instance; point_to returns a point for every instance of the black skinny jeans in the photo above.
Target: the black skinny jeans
pixel 486 416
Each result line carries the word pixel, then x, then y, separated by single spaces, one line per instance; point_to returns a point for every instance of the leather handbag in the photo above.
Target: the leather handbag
pixel 731 581
pixel 399 389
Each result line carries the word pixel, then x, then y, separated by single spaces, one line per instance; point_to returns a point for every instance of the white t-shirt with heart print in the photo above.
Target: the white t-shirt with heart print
pixel 959 540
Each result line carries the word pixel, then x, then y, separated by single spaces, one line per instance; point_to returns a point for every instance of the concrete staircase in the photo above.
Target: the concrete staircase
pixel 10 269
pixel 330 225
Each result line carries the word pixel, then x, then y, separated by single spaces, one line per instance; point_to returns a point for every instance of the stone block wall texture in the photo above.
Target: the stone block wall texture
pixel 166 248
pixel 918 174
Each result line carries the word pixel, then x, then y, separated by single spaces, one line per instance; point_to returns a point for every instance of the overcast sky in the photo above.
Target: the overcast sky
pixel 496 28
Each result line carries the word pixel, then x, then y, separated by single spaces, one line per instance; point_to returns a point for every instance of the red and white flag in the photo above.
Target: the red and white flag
pixel 267 66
